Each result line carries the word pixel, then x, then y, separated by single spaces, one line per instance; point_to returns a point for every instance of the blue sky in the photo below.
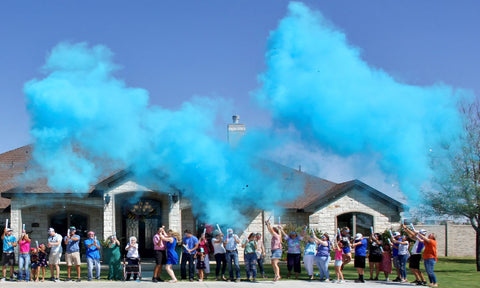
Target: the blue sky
pixel 177 49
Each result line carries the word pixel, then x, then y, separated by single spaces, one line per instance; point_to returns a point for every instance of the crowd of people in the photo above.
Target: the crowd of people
pixel 195 260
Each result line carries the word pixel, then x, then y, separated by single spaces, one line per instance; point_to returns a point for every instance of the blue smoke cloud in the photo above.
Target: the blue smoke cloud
pixel 318 83
pixel 86 124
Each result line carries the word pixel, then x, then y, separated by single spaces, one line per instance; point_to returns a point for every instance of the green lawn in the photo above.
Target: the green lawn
pixel 451 272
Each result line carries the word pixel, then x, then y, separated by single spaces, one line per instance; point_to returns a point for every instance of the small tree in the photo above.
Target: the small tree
pixel 458 180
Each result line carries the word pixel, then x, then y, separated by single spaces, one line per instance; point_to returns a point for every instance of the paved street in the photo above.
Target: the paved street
pixel 213 284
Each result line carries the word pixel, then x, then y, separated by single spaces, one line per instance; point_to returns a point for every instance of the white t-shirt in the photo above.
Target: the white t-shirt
pixel 218 247
pixel 54 239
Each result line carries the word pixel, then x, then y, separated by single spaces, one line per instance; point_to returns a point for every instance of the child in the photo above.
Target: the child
pixel 200 263
pixel 34 264
pixel 203 243
pixel 386 265
pixel 347 254
pixel 42 261
pixel 339 260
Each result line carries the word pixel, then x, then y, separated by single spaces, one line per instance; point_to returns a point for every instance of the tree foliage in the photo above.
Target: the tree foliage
pixel 457 174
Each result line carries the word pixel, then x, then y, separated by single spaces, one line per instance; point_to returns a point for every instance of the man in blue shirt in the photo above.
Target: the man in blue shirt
pixel 93 255
pixel 8 257
pixel 190 245
pixel 360 246
pixel 72 255
pixel 230 241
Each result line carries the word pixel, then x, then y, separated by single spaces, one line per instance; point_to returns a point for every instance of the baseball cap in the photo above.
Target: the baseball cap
pixel 423 231
pixel 358 236
pixel 395 234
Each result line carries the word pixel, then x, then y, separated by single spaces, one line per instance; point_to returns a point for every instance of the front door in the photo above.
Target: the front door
pixel 141 219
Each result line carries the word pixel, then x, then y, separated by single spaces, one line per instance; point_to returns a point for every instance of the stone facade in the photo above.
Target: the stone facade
pixel 325 218
pixel 35 213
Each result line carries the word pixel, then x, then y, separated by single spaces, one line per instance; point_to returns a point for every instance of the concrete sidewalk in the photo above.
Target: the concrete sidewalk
pixel 213 284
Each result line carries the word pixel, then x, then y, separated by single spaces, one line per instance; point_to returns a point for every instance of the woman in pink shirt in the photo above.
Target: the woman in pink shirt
pixel 24 257
pixel 276 249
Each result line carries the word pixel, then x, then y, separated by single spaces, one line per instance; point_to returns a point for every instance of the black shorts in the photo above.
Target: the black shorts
pixel 8 259
pixel 160 257
pixel 359 261
pixel 375 258
pixel 414 261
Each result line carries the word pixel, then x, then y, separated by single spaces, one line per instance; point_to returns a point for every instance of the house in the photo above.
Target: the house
pixel 118 204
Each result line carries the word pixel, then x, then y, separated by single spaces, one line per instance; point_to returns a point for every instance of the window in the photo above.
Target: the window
pixel 61 222
pixel 357 222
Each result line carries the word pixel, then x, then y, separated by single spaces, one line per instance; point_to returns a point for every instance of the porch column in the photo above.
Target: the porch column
pixel 108 215
pixel 175 216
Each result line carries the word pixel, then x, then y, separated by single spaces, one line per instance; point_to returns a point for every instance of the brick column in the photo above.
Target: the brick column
pixel 109 216
pixel 175 216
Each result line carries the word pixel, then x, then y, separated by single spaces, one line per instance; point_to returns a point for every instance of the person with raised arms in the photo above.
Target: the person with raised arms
pixel 375 255
pixel 8 256
pixel 230 242
pixel 72 253
pixel 416 254
pixel 360 244
pixel 24 257
pixel 276 247
pixel 219 253
pixel 93 255
pixel 322 258
pixel 170 239
pixel 430 256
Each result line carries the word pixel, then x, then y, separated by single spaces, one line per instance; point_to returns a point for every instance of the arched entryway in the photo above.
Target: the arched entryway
pixel 358 222
pixel 141 218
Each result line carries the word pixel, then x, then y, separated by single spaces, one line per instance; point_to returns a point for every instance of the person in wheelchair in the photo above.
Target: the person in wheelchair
pixel 133 259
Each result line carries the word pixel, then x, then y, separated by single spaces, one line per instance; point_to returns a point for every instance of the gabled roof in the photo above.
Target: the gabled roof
pixel 315 197
pixel 13 166
pixel 316 191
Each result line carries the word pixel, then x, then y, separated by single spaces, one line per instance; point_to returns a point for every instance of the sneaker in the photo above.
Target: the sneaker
pixel 12 279
pixel 341 281
pixel 56 280
pixel 3 280
pixel 154 280
pixel 237 280
pixel 254 280
pixel 160 279
pixel 68 280
pixel 79 280
pixel 359 281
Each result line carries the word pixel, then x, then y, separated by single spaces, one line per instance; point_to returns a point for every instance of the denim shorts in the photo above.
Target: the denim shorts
pixel 338 262
pixel 277 254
